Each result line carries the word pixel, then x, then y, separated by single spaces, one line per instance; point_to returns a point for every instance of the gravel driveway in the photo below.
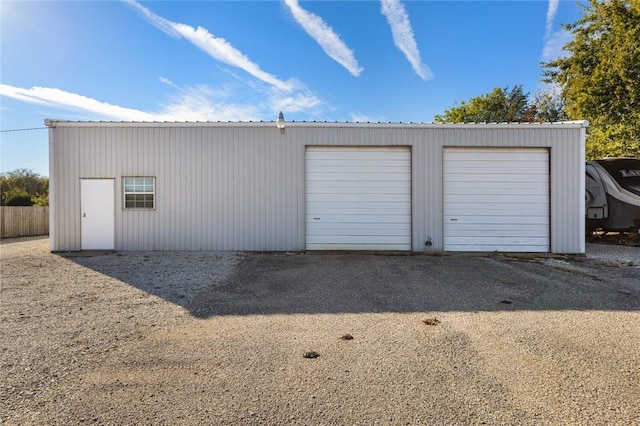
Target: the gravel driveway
pixel 220 338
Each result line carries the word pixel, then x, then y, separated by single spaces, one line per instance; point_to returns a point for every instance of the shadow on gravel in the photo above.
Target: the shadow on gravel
pixel 267 284
pixel 23 239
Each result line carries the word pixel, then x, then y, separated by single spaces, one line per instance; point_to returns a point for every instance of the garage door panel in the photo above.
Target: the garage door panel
pixel 358 198
pixel 357 247
pixel 470 214
pixel 501 198
pixel 521 248
pixel 507 160
pixel 326 213
pixel 353 239
pixel 461 211
pixel 496 199
pixel 489 188
pixel 485 155
pixel 475 179
pixel 357 237
pixel 361 169
pixel 383 155
pixel 519 230
pixel 502 170
pixel 355 218
pixel 319 192
pixel 350 187
pixel 385 161
pixel 487 162
pixel 354 228
pixel 365 177
pixel 496 220
pixel 325 210
pixel 530 188
pixel 497 241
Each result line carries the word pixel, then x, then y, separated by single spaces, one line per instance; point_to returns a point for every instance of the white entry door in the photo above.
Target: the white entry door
pixel 97 215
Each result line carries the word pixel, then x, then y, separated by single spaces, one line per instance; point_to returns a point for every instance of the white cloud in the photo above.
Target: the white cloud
pixel 52 97
pixel 216 47
pixel 554 46
pixel 403 36
pixel 302 101
pixel 201 103
pixel 362 118
pixel 260 95
pixel 552 9
pixel 159 22
pixel 324 35
pixel 191 104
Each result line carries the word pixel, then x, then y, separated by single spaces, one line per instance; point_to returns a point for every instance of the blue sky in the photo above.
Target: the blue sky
pixel 358 60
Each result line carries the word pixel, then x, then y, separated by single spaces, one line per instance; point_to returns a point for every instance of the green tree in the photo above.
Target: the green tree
pixel 40 199
pixel 23 187
pixel 16 197
pixel 548 105
pixel 600 76
pixel 501 105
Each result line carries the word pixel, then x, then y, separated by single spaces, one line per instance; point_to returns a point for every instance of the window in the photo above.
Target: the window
pixel 140 193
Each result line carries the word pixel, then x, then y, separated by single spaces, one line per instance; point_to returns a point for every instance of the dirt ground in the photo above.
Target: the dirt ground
pixel 220 338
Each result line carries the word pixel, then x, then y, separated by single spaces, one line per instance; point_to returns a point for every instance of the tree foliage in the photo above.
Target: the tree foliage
pixel 548 105
pixel 23 187
pixel 507 105
pixel 600 77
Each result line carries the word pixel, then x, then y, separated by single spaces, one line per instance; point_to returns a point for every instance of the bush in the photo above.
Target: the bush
pixel 17 197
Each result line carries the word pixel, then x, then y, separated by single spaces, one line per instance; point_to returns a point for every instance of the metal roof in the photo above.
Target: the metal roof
pixel 53 123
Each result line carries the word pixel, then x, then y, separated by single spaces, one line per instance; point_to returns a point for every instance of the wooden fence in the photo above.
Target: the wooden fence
pixel 24 221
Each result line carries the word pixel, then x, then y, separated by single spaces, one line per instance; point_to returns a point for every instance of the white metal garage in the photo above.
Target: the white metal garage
pixel 259 186
pixel 496 199
pixel 358 198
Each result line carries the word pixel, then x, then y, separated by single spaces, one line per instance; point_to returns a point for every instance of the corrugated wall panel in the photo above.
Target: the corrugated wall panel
pixel 567 200
pixel 241 186
pixel 54 194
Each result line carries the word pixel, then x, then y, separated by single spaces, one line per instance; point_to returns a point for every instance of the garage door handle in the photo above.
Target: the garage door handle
pixel 453 220
pixel 316 218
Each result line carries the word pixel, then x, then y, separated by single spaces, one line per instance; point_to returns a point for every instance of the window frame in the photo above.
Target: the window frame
pixel 135 182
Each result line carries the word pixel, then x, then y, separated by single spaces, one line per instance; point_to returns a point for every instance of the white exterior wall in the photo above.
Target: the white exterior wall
pixel 240 186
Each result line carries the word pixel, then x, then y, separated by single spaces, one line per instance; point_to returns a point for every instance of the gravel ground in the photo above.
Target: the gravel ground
pixel 219 338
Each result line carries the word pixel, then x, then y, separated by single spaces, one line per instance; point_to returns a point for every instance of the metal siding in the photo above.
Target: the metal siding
pixel 72 207
pixel 223 186
pixel 54 181
pixel 568 188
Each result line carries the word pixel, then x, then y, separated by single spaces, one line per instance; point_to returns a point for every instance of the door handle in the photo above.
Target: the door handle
pixel 84 215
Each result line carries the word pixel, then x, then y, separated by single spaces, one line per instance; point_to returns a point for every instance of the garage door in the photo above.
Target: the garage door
pixel 496 199
pixel 358 198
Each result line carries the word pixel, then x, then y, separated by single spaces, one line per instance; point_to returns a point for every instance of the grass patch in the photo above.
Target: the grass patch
pixel 431 321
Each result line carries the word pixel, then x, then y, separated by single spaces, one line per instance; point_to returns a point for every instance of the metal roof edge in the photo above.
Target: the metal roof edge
pixel 53 123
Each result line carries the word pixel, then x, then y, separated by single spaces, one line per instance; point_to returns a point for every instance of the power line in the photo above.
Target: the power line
pixel 23 130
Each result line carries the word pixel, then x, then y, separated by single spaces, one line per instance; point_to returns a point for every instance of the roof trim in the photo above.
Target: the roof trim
pixel 52 123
